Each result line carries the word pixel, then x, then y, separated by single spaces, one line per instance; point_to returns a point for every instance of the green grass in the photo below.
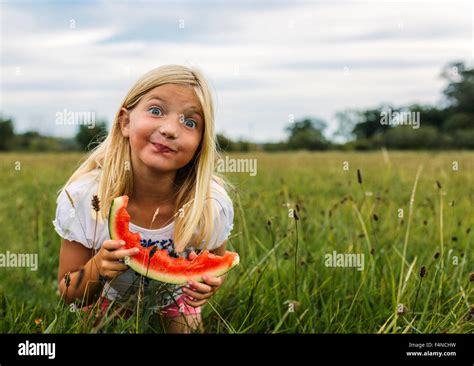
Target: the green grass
pixel 282 268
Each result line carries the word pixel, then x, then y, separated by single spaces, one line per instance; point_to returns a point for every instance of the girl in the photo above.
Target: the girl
pixel 161 152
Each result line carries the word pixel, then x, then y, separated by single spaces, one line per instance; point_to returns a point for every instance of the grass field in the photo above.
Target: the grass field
pixel 283 284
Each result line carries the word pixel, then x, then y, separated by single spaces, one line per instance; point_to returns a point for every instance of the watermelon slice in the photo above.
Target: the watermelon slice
pixel 158 264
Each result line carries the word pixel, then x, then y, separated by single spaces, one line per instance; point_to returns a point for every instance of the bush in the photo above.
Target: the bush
pixel 464 139
pixel 406 137
pixel 459 121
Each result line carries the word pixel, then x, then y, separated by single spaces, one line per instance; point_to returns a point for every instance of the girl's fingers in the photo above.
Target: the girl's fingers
pixel 194 304
pixel 119 254
pixel 197 295
pixel 110 275
pixel 114 266
pixel 201 287
pixel 113 244
pixel 212 281
pixel 192 255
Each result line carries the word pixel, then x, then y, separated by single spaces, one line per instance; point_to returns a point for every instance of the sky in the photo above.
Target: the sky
pixel 268 62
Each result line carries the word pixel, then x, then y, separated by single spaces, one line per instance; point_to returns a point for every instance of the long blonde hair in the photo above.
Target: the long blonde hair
pixel 113 157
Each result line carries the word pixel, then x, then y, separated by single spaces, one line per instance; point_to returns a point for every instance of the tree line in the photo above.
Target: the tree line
pixel 449 125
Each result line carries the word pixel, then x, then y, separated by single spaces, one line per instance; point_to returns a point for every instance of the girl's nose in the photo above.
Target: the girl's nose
pixel 170 127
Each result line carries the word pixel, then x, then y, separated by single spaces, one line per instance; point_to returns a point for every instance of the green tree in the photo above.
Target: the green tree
pixel 430 115
pixel 307 134
pixel 224 143
pixel 369 122
pixel 88 137
pixel 460 89
pixel 7 134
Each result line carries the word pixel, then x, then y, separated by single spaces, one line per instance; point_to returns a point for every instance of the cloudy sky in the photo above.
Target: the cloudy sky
pixel 265 60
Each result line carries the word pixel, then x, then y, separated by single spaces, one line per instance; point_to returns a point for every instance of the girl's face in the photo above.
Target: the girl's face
pixel 165 127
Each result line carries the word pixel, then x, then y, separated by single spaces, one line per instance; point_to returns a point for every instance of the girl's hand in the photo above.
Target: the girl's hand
pixel 108 258
pixel 200 293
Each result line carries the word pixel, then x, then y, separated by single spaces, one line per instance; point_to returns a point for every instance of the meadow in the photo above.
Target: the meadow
pixel 409 215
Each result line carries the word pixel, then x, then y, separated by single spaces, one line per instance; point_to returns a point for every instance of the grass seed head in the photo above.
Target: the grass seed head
pixel 67 279
pixel 96 203
pixel 359 176
pixel 295 215
pixel 422 271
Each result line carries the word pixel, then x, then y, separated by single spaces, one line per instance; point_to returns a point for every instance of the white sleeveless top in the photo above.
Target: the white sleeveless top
pixel 78 224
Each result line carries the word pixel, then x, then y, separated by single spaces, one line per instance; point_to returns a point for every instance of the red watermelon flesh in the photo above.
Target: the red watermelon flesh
pixel 158 264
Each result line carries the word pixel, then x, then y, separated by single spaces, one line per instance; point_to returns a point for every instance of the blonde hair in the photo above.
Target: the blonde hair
pixel 194 179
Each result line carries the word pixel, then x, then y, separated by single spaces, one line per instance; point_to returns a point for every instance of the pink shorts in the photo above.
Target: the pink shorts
pixel 173 310
pixel 179 308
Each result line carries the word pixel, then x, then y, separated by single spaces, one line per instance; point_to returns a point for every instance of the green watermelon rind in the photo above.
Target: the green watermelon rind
pixel 179 280
pixel 140 268
pixel 116 204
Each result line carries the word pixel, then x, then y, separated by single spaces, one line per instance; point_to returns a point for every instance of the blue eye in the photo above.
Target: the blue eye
pixel 153 109
pixel 190 125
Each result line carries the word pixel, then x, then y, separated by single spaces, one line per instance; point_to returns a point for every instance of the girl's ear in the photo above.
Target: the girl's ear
pixel 124 122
